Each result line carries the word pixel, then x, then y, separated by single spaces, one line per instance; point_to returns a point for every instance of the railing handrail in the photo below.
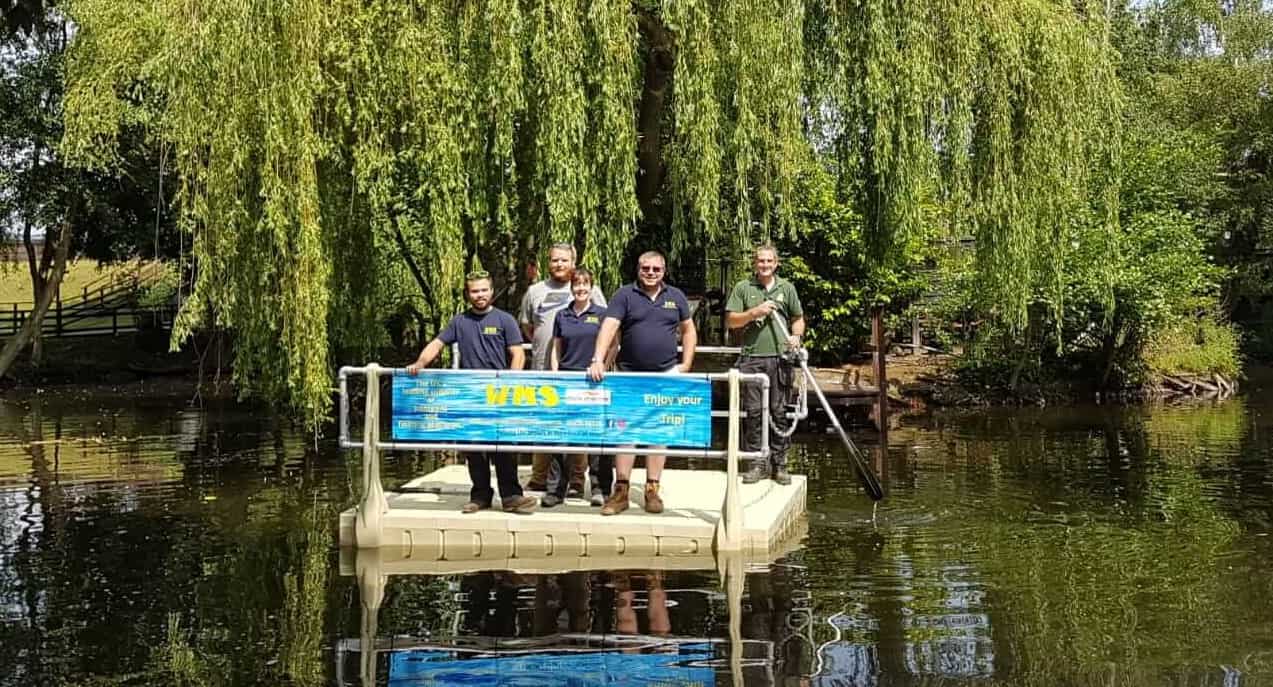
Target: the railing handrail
pixel 512 447
pixel 370 513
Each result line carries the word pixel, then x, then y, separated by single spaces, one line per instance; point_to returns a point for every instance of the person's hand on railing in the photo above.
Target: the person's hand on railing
pixel 597 370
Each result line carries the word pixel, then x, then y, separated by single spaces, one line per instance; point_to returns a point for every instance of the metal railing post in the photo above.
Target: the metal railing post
pixel 368 526
pixel 729 527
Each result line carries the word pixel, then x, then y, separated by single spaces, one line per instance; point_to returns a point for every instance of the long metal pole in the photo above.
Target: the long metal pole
pixel 866 475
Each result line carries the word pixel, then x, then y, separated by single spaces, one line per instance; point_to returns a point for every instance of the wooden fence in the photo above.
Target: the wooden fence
pixel 86 319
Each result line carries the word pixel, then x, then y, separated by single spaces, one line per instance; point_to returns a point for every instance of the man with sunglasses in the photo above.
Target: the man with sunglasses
pixel 540 305
pixel 488 339
pixel 649 316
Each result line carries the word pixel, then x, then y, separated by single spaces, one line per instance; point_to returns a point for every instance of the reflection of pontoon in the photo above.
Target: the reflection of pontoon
pixel 595 659
pixel 586 659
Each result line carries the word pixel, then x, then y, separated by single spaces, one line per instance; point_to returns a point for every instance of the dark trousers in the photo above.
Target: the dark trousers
pixel 480 473
pixel 600 471
pixel 781 375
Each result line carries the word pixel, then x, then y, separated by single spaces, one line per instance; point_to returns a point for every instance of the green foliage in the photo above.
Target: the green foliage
pixel 117 219
pixel 1120 294
pixel 162 289
pixel 1006 113
pixel 830 264
pixel 1199 73
pixel 337 160
pixel 1204 346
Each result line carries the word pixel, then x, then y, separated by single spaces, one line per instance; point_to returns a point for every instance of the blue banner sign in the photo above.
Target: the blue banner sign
pixel 495 407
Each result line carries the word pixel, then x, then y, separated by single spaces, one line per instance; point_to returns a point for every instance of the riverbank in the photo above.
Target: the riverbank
pixel 934 380
pixel 143 363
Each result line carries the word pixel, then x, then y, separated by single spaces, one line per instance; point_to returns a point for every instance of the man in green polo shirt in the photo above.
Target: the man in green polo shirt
pixel 748 309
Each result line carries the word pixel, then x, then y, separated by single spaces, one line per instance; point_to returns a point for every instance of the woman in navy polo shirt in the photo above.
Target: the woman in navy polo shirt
pixel 574 345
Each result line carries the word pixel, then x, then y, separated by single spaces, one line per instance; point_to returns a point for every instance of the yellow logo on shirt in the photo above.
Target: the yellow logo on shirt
pixel 592 319
pixel 490 330
pixel 669 305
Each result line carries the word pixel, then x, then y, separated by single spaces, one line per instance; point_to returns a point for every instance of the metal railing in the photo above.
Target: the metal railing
pixel 706 350
pixel 590 449
pixel 374 504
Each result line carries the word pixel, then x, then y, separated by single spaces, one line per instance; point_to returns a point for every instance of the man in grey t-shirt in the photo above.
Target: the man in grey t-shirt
pixel 539 306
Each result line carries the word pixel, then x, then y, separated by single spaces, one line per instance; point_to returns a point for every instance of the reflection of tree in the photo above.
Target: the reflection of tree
pixel 126 563
pixel 1063 547
pixel 304 600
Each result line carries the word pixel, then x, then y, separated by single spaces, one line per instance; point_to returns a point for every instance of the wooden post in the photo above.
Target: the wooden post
pixel 114 321
pixel 881 378
pixel 917 342
pixel 58 330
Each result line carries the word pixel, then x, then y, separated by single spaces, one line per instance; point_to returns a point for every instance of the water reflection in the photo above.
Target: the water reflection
pixel 145 542
pixel 580 627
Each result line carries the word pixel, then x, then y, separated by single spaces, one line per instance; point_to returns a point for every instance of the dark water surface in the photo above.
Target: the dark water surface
pixel 144 542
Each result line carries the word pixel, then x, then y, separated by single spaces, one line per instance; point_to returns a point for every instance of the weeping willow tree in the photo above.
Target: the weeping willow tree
pixel 1000 117
pixel 344 159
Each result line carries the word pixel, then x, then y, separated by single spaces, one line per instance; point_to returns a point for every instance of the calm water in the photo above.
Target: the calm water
pixel 144 542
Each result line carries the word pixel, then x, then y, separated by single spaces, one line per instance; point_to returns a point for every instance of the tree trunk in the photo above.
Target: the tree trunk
pixel 660 62
pixel 1113 345
pixel 49 286
pixel 38 271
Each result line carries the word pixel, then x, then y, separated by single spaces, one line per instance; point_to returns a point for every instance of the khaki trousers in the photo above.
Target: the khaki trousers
pixel 539 470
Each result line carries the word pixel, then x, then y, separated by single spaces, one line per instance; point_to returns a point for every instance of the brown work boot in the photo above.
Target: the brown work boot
pixel 473 507
pixel 653 502
pixel 618 501
pixel 519 504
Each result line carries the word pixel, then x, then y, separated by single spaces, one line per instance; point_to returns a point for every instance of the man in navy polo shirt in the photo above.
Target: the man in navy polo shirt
pixel 649 315
pixel 488 339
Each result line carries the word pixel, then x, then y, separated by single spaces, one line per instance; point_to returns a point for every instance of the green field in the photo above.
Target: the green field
pixel 15 282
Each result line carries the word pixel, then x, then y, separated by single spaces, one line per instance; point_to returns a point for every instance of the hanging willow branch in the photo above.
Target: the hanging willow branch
pixel 340 160
pixel 1004 112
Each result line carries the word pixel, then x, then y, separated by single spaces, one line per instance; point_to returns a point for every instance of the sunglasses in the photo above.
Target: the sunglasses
pixel 477 274
pixel 652 269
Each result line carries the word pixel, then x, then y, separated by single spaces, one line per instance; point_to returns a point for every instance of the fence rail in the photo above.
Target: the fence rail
pixel 103 290
pixel 81 320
